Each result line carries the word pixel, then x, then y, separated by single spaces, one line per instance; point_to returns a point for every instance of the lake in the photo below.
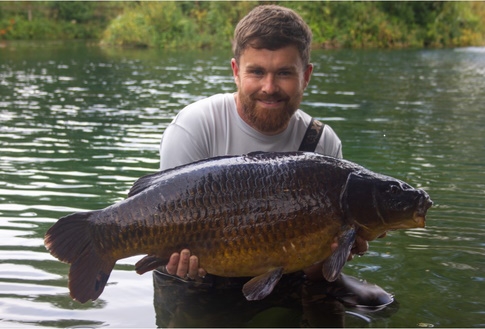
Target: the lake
pixel 79 124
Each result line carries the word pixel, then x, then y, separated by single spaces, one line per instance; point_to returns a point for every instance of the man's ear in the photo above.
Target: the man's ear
pixel 235 70
pixel 307 74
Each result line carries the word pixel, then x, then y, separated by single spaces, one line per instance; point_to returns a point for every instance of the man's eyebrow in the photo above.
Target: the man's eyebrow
pixel 260 67
pixel 253 66
pixel 288 68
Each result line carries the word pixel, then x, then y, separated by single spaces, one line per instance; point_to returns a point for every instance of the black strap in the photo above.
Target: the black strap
pixel 312 136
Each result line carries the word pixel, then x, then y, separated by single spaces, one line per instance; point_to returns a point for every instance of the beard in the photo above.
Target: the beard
pixel 266 120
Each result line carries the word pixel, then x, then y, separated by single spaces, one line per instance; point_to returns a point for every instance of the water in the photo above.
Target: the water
pixel 80 124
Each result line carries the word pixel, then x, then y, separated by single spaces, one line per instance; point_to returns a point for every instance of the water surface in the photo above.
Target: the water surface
pixel 79 124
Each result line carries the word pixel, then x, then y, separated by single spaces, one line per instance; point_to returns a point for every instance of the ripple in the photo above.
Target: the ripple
pixel 77 131
pixel 330 105
pixel 52 208
pixel 471 49
pixel 28 290
pixel 42 193
pixel 25 272
pixel 9 255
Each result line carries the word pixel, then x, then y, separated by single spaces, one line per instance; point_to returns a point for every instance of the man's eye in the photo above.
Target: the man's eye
pixel 285 73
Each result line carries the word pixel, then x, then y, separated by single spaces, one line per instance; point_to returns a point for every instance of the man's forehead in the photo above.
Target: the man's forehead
pixel 283 57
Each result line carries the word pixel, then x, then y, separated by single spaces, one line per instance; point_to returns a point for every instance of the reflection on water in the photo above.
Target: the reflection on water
pixel 293 303
pixel 80 124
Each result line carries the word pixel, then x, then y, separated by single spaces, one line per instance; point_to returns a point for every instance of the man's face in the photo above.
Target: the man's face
pixel 270 87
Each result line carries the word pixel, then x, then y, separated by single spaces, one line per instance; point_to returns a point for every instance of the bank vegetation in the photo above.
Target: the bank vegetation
pixel 210 24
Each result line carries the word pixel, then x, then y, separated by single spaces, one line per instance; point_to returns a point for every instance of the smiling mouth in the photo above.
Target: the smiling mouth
pixel 270 101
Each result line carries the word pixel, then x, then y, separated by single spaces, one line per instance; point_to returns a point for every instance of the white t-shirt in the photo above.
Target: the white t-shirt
pixel 212 127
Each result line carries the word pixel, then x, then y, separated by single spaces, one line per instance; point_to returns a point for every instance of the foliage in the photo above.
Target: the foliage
pixel 456 25
pixel 175 24
pixel 48 20
pixel 390 24
pixel 334 24
pixel 148 24
pixel 199 24
pixel 79 11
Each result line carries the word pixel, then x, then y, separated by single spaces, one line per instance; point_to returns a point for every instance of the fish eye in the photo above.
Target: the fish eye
pixel 406 186
pixel 395 189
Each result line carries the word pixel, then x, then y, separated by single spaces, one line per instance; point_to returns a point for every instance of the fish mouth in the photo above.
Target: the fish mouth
pixel 420 214
pixel 419 220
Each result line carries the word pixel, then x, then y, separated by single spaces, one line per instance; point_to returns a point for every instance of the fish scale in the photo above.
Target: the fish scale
pixel 259 215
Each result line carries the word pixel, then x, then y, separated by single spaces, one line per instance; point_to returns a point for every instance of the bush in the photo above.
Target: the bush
pixel 54 20
pixel 148 24
pixel 199 24
pixel 176 24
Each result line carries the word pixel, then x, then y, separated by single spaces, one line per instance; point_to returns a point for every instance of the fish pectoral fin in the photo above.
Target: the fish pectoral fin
pixel 149 263
pixel 262 285
pixel 332 266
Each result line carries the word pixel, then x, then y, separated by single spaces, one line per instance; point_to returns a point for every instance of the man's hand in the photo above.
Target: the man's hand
pixel 185 266
pixel 359 248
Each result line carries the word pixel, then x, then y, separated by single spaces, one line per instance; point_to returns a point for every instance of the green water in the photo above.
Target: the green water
pixel 79 124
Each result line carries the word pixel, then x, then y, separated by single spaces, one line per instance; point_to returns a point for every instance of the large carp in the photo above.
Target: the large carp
pixel 259 215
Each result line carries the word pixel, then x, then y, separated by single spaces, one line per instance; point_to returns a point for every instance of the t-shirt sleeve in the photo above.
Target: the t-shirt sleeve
pixel 187 138
pixel 195 131
pixel 178 147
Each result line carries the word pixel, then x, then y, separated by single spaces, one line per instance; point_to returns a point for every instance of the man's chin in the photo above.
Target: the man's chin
pixel 271 125
pixel 269 118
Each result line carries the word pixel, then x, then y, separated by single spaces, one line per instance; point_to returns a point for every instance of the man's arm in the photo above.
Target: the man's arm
pixel 180 146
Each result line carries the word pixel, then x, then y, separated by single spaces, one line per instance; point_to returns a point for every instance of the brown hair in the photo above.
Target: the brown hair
pixel 272 27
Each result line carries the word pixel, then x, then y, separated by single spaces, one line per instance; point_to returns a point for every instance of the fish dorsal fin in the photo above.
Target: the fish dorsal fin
pixel 144 182
pixel 262 285
pixel 149 180
pixel 333 265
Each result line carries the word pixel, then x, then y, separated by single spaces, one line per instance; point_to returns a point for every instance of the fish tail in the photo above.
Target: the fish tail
pixel 71 241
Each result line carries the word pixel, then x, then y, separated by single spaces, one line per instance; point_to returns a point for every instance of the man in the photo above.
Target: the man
pixel 271 69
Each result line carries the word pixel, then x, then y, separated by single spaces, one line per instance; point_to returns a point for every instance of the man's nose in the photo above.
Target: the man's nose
pixel 269 84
